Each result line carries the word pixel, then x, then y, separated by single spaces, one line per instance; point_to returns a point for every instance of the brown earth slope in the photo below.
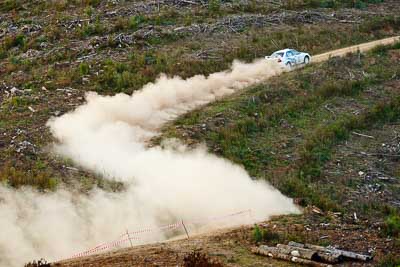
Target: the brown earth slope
pixel 342 229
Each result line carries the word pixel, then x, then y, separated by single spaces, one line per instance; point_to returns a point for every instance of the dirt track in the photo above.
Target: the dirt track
pixel 351 49
pixel 171 253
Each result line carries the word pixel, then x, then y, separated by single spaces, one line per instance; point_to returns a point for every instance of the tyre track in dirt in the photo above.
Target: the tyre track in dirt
pixel 364 47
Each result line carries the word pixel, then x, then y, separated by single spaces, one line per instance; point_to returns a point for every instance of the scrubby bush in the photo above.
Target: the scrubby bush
pixel 317 148
pixel 260 235
pixel 92 3
pixel 328 4
pixel 96 28
pixel 89 11
pixel 257 235
pixel 294 4
pixel 198 259
pixel 378 23
pixel 39 263
pixel 117 76
pixel 136 21
pixel 84 68
pixel 40 179
pixel 341 88
pixel 9 5
pixel 389 260
pixel 214 6
pixel 392 225
pixel 9 42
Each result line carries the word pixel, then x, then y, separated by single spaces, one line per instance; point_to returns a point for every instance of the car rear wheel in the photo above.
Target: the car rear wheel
pixel 306 60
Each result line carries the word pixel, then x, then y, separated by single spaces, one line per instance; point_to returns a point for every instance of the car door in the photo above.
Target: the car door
pixel 297 56
pixel 290 57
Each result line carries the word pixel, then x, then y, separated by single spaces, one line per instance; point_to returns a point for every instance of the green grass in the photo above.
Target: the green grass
pixel 359 4
pixel 317 148
pixel 40 179
pixel 264 235
pixel 389 260
pixel 287 115
pixel 9 5
pixel 84 68
pixel 392 225
pixel 140 72
pixel 170 53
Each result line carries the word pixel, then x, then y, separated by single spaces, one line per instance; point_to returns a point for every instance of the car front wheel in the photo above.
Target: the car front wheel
pixel 289 65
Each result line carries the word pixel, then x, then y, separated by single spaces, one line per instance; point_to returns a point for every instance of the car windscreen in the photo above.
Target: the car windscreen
pixel 277 54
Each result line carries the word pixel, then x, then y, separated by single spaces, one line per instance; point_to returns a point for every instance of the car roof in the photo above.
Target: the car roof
pixel 284 50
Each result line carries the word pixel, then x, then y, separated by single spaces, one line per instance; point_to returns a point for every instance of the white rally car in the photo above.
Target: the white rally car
pixel 290 57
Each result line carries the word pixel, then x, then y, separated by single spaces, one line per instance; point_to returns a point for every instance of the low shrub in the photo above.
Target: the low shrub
pixel 136 21
pixel 317 148
pixel 9 5
pixel 260 235
pixel 392 225
pixel 379 23
pixel 39 263
pixel 16 178
pixel 257 235
pixel 198 259
pixel 84 68
pixel 214 6
pixel 389 260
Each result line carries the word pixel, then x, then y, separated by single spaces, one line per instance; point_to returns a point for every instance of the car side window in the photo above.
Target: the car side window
pixel 289 54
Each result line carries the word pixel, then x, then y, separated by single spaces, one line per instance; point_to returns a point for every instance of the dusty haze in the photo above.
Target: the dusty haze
pixel 108 136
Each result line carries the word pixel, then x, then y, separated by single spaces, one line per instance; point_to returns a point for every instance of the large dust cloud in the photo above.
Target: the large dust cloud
pixel 109 135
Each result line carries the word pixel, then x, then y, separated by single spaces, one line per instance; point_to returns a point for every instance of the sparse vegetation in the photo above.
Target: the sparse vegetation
pixel 136 21
pixel 359 4
pixel 257 234
pixel 295 131
pixel 84 68
pixel 198 259
pixel 15 178
pixel 263 235
pixel 269 113
pixel 214 6
pixel 9 5
pixel 39 263
pixel 316 149
pixel 390 260
pixel 392 225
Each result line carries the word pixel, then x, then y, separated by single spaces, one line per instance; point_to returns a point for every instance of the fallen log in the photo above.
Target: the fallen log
pixel 311 254
pixel 330 257
pixel 343 253
pixel 274 252
pixel 265 250
pixel 298 252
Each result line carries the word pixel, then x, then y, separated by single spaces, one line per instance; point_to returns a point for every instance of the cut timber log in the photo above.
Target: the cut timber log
pixel 298 252
pixel 265 250
pixel 310 254
pixel 344 253
pixel 275 253
pixel 330 257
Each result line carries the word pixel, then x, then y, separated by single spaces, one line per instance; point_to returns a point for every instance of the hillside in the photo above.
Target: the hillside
pixel 54 61
pixel 349 192
pixel 325 135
